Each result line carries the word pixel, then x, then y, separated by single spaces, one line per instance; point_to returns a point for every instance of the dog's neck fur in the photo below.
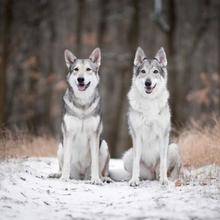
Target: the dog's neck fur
pixel 143 105
pixel 82 108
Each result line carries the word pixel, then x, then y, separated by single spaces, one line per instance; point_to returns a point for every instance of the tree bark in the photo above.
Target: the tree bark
pixel 5 42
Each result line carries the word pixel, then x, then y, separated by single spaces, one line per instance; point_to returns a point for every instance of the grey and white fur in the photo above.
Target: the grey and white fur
pixel 82 154
pixel 152 157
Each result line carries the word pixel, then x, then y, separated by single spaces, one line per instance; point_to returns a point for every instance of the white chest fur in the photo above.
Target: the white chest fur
pixel 81 131
pixel 76 125
pixel 149 120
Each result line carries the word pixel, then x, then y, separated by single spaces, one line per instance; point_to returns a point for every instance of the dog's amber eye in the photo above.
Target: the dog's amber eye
pixel 143 71
pixel 88 69
pixel 76 69
pixel 155 71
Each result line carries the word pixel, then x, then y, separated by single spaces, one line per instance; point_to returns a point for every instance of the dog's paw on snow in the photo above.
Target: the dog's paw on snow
pixel 54 175
pixel 134 182
pixel 64 178
pixel 164 182
pixel 107 180
pixel 96 181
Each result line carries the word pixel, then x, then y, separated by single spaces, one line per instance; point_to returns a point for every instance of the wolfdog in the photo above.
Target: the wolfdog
pixel 81 153
pixel 149 122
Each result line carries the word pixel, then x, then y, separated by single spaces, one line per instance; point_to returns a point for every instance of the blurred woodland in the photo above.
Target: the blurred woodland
pixel 34 34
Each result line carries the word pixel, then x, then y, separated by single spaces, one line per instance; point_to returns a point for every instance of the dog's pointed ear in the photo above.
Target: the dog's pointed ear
pixel 95 56
pixel 70 58
pixel 161 57
pixel 139 56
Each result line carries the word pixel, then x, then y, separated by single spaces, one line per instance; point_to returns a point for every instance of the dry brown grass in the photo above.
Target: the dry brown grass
pixel 22 144
pixel 200 145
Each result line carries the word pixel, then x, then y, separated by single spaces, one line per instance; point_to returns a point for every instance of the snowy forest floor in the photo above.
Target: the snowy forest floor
pixel 27 193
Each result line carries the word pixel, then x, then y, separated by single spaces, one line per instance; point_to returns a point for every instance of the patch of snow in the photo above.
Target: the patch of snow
pixel 27 193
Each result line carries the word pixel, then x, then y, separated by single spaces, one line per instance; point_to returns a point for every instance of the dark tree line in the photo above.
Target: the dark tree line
pixel 34 34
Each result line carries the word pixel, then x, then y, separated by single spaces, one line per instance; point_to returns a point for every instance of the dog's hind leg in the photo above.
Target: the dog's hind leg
pixel 60 161
pixel 145 172
pixel 104 159
pixel 174 162
pixel 128 160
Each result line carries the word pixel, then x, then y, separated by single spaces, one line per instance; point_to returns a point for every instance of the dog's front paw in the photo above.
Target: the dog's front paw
pixel 134 182
pixel 164 181
pixel 54 175
pixel 106 179
pixel 96 181
pixel 64 178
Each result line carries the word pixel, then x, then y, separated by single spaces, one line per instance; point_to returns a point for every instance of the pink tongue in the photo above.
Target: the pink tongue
pixel 82 88
pixel 149 90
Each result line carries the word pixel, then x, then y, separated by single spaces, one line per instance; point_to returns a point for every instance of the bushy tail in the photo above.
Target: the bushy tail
pixel 117 171
pixel 119 175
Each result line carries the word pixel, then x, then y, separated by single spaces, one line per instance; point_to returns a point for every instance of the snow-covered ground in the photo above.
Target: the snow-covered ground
pixel 26 193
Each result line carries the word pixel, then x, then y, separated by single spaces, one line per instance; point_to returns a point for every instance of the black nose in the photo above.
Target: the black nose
pixel 80 80
pixel 148 83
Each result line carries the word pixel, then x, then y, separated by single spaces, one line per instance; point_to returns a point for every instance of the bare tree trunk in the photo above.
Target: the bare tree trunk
pixel 48 119
pixel 173 82
pixel 5 42
pixel 102 24
pixel 219 48
pixel 80 19
pixel 132 42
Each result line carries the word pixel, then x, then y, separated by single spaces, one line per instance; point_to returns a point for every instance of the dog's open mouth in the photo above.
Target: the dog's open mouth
pixel 83 86
pixel 149 89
